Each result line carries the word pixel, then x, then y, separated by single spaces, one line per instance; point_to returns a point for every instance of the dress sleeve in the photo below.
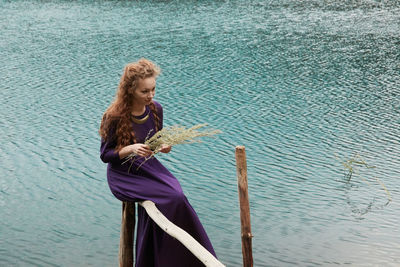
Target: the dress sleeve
pixel 107 149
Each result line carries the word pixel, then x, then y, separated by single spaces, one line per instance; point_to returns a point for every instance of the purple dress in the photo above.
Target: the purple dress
pixel 152 181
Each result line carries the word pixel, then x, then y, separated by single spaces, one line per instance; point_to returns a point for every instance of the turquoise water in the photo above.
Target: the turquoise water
pixel 296 82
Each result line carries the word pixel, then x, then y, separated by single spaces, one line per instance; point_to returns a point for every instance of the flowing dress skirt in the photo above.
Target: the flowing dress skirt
pixel 154 247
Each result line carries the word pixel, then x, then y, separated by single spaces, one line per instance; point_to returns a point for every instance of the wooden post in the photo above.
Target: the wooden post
pixel 241 170
pixel 125 254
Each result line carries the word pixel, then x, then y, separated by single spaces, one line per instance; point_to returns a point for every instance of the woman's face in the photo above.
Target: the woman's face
pixel 145 91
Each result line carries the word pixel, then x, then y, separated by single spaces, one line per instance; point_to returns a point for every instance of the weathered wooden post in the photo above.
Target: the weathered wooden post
pixel 241 170
pixel 125 254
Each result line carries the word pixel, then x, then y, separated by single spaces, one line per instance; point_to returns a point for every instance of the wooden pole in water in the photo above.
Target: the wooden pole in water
pixel 241 170
pixel 125 254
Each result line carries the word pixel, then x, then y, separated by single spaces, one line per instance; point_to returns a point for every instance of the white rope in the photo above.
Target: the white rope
pixel 187 240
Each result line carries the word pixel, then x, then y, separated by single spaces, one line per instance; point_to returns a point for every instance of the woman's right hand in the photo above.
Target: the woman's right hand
pixel 141 150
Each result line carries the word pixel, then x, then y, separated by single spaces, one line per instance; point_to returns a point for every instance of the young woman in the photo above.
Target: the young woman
pixel 132 117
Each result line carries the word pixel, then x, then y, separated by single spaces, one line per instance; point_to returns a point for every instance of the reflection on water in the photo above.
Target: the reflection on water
pixel 359 176
pixel 296 82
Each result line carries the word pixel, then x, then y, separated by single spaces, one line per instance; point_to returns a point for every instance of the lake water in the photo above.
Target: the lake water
pixel 303 85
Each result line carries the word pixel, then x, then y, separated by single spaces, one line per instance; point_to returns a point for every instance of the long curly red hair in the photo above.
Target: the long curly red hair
pixel 117 117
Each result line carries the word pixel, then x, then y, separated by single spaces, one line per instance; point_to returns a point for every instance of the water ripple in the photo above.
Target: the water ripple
pixel 296 82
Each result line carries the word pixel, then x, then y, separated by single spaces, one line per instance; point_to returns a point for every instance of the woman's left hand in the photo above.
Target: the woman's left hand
pixel 165 148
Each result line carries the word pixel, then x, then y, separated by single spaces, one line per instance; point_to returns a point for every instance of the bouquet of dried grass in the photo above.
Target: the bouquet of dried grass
pixel 173 135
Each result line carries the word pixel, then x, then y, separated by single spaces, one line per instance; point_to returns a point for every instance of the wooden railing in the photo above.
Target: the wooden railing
pixel 181 235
